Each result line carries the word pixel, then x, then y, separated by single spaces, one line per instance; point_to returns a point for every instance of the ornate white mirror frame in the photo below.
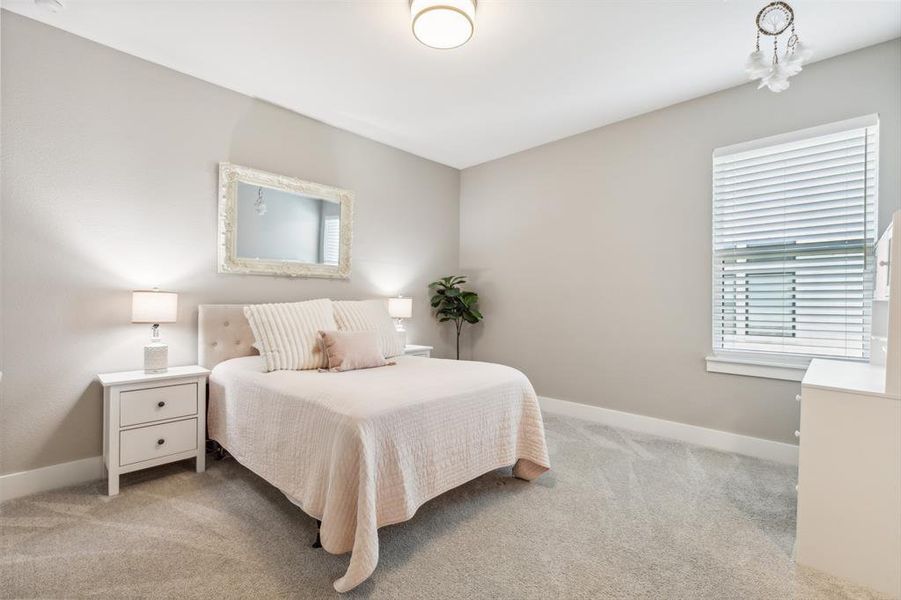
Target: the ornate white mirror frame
pixel 229 261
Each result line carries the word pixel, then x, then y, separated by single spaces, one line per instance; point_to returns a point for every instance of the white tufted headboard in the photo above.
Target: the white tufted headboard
pixel 222 333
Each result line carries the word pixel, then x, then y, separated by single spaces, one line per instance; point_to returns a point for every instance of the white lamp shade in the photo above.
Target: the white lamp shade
pixel 443 24
pixel 149 306
pixel 400 308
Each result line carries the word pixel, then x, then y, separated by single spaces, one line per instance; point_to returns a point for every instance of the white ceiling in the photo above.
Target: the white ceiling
pixel 535 70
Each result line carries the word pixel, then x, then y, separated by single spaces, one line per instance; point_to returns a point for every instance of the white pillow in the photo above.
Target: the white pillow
pixel 287 334
pixel 370 315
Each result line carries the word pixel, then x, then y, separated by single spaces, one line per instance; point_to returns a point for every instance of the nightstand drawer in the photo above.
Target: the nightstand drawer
pixel 157 404
pixel 157 441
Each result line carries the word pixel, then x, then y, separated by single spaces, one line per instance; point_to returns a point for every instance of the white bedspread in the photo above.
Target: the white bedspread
pixel 363 449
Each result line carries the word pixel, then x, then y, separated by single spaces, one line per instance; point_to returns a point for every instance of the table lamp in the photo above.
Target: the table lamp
pixel 400 308
pixel 155 307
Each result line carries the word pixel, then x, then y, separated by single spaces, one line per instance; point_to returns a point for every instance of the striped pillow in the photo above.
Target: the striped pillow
pixel 287 334
pixel 370 315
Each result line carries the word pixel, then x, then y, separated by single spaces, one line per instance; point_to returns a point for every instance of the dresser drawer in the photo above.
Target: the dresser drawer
pixel 157 404
pixel 157 441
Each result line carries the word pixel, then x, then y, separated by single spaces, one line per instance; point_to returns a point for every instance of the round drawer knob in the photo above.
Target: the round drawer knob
pixel 797 434
pixel 798 398
pixel 160 442
pixel 161 403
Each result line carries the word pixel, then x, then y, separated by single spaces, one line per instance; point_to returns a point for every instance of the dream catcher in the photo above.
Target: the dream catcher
pixel 773 20
pixel 260 204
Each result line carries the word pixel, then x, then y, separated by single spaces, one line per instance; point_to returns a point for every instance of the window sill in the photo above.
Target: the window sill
pixel 756 367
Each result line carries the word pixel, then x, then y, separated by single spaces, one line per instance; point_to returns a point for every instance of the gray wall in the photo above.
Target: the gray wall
pixel 109 184
pixel 593 254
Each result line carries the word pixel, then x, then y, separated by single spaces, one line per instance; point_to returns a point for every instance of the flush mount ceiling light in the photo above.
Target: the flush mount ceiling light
pixel 443 24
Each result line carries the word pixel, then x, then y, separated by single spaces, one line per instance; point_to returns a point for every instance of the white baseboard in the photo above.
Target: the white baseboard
pixel 25 483
pixel 700 436
pixel 16 485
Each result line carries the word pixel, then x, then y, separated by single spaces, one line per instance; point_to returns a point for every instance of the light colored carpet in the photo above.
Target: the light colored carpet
pixel 621 515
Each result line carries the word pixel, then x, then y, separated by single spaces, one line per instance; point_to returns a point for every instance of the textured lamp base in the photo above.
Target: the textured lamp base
pixel 156 358
pixel 401 330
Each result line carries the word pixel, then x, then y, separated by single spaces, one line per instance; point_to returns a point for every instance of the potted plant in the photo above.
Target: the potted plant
pixel 451 303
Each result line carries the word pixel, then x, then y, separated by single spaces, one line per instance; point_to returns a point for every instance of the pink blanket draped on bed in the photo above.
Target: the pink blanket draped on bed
pixel 363 449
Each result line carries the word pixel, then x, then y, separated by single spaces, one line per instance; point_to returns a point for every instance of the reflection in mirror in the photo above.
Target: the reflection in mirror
pixel 272 224
pixel 279 225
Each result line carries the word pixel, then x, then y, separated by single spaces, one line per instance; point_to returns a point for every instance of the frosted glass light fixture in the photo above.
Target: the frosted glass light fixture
pixel 443 24
pixel 154 307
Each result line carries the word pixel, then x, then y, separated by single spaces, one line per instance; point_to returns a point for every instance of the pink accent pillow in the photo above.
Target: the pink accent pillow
pixel 350 350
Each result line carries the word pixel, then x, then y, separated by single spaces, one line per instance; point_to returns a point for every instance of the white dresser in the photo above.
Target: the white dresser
pixel 150 419
pixel 849 469
pixel 849 475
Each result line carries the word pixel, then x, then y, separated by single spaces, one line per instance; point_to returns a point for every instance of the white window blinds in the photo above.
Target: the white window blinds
pixel 794 228
pixel 331 240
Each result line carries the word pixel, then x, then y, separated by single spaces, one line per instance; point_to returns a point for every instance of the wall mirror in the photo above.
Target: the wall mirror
pixel 275 225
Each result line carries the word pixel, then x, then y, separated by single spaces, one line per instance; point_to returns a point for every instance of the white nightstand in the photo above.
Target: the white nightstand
pixel 150 419
pixel 414 350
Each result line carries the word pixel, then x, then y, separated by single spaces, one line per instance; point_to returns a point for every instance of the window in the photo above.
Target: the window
pixel 794 231
pixel 331 240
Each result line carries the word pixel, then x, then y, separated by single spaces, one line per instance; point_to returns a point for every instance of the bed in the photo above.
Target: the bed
pixel 364 449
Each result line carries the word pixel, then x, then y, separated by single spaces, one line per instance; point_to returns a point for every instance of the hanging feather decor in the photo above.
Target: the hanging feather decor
pixel 260 204
pixel 773 20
